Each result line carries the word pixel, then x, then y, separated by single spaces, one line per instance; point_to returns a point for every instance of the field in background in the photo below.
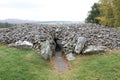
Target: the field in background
pixel 25 64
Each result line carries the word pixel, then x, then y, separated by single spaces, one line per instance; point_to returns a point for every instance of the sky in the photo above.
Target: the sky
pixel 46 10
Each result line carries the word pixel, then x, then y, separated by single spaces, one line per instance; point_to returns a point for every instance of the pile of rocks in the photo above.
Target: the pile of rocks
pixel 70 35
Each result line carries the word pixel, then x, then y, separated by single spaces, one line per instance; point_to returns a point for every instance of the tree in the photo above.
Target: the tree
pixel 116 8
pixel 109 13
pixel 5 25
pixel 106 13
pixel 93 14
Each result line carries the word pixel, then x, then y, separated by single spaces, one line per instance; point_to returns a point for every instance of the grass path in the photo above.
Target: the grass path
pixel 17 64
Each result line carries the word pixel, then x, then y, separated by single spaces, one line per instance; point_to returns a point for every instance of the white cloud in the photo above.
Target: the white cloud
pixel 73 10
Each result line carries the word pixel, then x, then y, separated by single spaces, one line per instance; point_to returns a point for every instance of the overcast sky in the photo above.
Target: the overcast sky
pixel 46 10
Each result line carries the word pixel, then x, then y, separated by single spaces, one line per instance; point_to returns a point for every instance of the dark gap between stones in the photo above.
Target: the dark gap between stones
pixel 58 44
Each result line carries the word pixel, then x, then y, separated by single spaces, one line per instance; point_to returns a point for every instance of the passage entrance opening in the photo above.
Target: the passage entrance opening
pixel 58 44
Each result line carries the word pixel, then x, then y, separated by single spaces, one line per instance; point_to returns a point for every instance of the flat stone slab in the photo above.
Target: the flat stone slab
pixel 59 62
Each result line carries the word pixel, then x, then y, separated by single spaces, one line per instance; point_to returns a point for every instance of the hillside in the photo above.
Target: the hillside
pixel 20 21
pixel 17 21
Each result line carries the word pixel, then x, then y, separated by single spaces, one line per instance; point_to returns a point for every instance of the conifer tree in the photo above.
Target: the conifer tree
pixel 93 14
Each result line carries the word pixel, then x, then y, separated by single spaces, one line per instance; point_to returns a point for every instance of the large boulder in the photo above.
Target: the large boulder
pixel 94 49
pixel 80 44
pixel 21 44
pixel 46 51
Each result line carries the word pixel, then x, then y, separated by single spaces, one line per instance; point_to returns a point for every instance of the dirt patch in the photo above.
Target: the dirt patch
pixel 59 63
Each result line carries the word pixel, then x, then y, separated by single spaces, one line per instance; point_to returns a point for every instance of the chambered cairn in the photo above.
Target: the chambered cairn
pixel 73 38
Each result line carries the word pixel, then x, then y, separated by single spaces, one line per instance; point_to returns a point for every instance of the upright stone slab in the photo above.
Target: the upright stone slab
pixel 46 51
pixel 80 44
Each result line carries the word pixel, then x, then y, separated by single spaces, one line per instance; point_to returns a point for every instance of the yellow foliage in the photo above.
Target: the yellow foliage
pixel 109 13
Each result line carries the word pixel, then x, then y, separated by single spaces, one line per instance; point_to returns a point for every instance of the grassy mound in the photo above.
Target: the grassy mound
pixel 17 64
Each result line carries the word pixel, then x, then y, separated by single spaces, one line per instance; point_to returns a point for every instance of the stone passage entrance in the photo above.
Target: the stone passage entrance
pixel 58 59
pixel 58 44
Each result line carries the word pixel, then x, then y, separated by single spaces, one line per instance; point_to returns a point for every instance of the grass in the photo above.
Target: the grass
pixel 118 28
pixel 17 64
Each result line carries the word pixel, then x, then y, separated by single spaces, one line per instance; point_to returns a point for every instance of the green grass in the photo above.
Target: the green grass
pixel 118 28
pixel 18 64
pixel 99 67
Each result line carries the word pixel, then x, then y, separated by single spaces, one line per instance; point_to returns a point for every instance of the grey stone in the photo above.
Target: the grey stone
pixel 94 49
pixel 80 44
pixel 21 44
pixel 70 57
pixel 46 51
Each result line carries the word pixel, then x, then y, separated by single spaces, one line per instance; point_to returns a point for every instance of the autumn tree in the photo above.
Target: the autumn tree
pixel 106 14
pixel 109 13
pixel 116 10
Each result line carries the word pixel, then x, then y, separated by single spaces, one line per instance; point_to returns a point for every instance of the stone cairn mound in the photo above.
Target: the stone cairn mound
pixel 43 36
